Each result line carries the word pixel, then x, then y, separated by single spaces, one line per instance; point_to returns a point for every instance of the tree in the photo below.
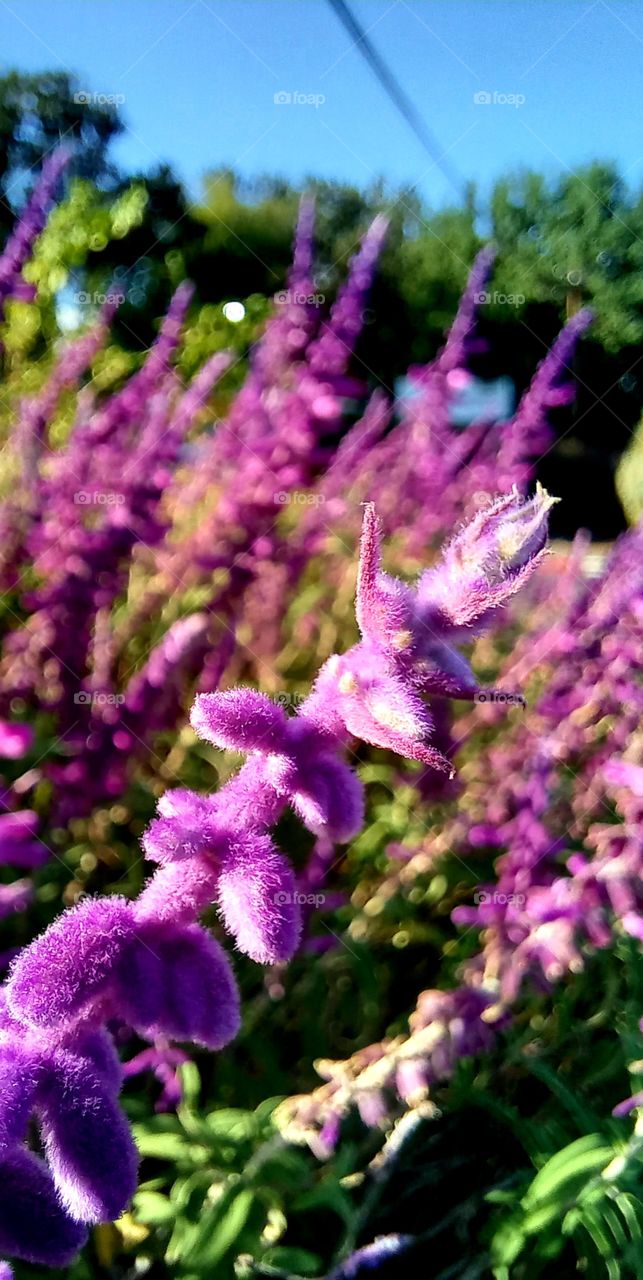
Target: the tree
pixel 37 112
pixel 577 241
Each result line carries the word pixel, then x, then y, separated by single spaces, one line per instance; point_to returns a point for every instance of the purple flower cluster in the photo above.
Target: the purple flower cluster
pixel 20 845
pixel 115 506
pixel 17 250
pixel 557 799
pixel 109 500
pixel 425 474
pixel 85 511
pixel 82 516
pixel 148 962
pixel 538 913
pixel 445 1027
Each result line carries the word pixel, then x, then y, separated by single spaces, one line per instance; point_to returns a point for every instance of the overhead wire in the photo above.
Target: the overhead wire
pixel 396 93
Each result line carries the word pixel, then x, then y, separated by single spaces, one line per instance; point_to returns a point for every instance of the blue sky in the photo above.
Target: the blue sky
pixel 199 79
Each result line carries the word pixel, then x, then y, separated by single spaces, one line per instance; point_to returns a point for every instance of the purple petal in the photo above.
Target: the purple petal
pixel 621 773
pixel 18 1082
pixel 379 708
pixel 175 980
pixel 15 739
pixel 87 1140
pixel 239 720
pixel 55 977
pixel 332 799
pixel 486 563
pixel 258 900
pixel 182 834
pixel 628 1105
pixel 33 1225
pixel 383 605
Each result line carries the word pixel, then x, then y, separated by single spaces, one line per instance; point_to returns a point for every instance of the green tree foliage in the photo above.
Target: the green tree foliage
pixel 576 240
pixel 565 242
pixel 37 112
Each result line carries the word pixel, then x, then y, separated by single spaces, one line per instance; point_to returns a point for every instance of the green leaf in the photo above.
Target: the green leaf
pixel 221 1228
pixel 231 1124
pixel 153 1209
pixel 189 1193
pixel 507 1244
pixel 190 1084
pixel 293 1261
pixel 565 1173
pixel 164 1146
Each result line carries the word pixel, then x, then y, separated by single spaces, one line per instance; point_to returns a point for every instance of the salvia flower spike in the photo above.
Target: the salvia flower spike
pixel 148 962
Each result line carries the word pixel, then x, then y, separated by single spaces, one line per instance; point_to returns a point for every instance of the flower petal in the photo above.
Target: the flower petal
pixel 33 1225
pixel 239 720
pixel 332 799
pixel 55 977
pixel 87 1141
pixel 176 980
pixel 258 900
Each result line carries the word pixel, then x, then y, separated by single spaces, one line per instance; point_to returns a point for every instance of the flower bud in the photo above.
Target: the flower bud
pixel 487 562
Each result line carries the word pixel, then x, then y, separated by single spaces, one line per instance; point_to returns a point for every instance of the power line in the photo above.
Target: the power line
pixel 396 93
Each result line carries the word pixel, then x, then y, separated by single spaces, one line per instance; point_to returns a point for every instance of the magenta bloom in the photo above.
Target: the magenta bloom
pixel 299 763
pixel 149 963
pixel 376 691
pixel 15 740
pixel 487 562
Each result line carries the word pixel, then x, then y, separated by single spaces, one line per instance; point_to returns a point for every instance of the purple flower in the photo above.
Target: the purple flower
pixel 33 1223
pixel 15 897
pixel 628 1105
pixel 371 1256
pixel 298 761
pixel 176 981
pixel 18 248
pixel 18 843
pixel 375 692
pixel 86 1138
pixel 15 740
pixel 486 563
pixel 165 1062
pixel 150 964
pixel 57 976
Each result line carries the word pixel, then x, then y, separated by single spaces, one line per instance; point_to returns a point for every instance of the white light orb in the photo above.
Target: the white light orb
pixel 234 311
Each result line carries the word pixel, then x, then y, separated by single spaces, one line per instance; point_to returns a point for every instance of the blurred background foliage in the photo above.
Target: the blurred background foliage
pixel 562 243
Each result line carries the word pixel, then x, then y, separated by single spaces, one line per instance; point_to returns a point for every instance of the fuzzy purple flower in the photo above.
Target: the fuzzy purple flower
pixel 150 964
